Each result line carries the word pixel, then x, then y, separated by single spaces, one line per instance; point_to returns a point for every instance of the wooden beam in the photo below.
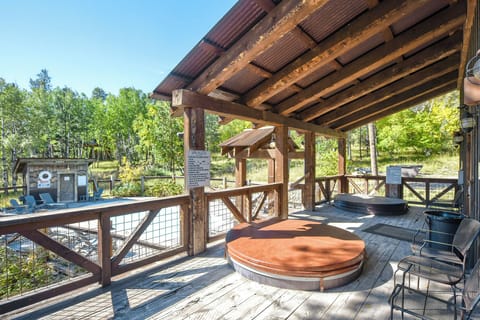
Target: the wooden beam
pixel 189 99
pixel 281 171
pixel 401 102
pixel 278 22
pixel 233 209
pixel 364 27
pixel 423 76
pixel 267 154
pixel 342 164
pixel 467 34
pixel 309 171
pixel 445 22
pixel 105 249
pixel 194 139
pixel 436 52
pixel 61 250
pixel 240 172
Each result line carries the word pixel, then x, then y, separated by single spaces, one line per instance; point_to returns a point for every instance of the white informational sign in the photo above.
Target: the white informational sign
pixel 82 181
pixel 198 168
pixel 394 175
pixel 44 178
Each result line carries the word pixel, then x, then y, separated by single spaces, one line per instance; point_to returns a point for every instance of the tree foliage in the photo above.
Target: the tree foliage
pixel 47 121
pixel 425 129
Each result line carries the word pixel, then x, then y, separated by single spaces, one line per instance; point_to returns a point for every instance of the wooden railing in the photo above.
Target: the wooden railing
pixel 77 247
pixel 82 246
pixel 87 245
pixel 227 207
pixel 428 192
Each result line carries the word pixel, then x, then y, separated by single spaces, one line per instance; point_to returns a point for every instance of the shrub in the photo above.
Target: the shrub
pixel 164 189
pixel 128 189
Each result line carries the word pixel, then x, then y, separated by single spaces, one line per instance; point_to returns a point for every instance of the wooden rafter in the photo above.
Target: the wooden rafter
pixel 467 33
pixel 281 20
pixel 189 99
pixel 426 57
pixel 364 27
pixel 409 82
pixel 266 154
pixel 400 102
pixel 383 55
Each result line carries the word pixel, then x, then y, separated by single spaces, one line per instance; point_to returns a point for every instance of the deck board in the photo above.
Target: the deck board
pixel 206 287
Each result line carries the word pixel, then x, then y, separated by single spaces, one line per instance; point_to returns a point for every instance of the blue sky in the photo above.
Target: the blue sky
pixel 109 44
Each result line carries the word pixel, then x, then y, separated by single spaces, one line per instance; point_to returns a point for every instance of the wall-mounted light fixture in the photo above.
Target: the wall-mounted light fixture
pixel 467 121
pixel 458 137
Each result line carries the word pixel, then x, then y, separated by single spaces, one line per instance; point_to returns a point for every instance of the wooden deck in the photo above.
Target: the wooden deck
pixel 206 287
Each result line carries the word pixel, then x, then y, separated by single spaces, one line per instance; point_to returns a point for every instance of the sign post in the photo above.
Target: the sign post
pixel 393 182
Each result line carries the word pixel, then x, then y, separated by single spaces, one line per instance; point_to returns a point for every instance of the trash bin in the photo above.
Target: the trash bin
pixel 442 226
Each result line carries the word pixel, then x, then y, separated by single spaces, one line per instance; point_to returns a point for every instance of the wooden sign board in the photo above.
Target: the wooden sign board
pixel 198 168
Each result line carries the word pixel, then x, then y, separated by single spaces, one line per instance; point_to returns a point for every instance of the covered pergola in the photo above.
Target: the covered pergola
pixel 322 67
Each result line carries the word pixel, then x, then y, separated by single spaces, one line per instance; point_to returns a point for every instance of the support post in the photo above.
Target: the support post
pixel 240 181
pixel 342 165
pixel 104 249
pixel 281 171
pixel 271 179
pixel 309 170
pixel 194 139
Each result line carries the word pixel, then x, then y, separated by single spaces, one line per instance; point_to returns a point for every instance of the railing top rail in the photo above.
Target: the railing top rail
pixel 328 177
pixel 405 179
pixel 14 223
pixel 431 179
pixel 242 190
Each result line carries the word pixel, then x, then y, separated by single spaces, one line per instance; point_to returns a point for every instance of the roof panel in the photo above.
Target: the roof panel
pixel 296 74
pixel 242 81
pixel 282 52
pixel 332 17
pixel 240 19
pixel 317 75
pixel 362 48
pixel 279 97
pixel 408 21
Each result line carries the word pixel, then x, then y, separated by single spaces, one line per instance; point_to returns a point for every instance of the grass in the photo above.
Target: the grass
pixel 437 165
pixel 257 170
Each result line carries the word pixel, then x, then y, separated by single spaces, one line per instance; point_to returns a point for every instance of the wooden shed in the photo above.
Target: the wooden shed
pixel 65 179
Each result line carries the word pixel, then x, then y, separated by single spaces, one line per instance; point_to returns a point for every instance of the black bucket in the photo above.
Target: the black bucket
pixel 442 226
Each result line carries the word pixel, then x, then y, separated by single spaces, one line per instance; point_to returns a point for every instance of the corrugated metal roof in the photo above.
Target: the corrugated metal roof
pixel 298 61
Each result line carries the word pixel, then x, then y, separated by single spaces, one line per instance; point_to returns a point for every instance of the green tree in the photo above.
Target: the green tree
pixel 158 136
pixel 43 81
pixel 13 119
pixel 117 122
pixel 423 130
pixel 212 134
pixel 233 128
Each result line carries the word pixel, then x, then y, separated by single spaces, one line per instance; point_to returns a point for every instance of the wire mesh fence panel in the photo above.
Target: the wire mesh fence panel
pixel 415 192
pixel 442 194
pixel 26 266
pixel 162 233
pixel 295 198
pixel 262 204
pixel 220 218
